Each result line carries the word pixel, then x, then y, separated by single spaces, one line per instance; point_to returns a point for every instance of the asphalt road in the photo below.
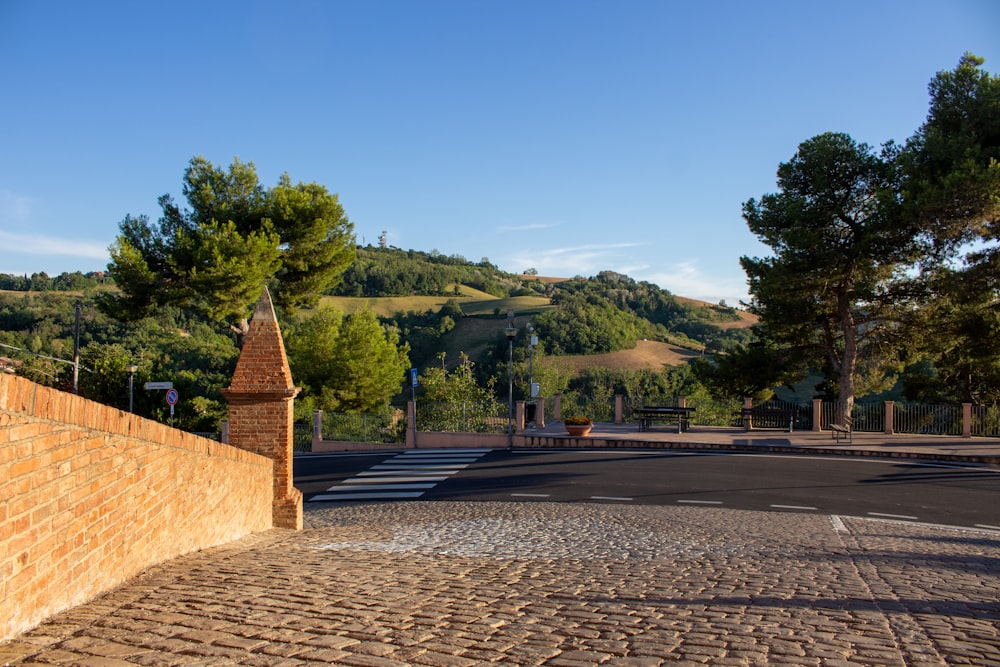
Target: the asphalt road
pixel 942 493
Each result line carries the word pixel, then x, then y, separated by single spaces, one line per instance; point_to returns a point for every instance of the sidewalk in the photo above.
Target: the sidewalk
pixel 898 445
pixel 456 584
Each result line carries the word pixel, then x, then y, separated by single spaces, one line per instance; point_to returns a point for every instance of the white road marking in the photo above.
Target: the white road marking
pixel 794 507
pixel 366 496
pixel 392 478
pixel 420 466
pixel 383 487
pixel 701 502
pixel 893 516
pixel 531 495
pixel 406 475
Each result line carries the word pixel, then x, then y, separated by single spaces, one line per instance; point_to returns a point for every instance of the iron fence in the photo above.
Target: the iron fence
pixel 927 419
pixel 986 420
pixel 380 427
pixel 463 417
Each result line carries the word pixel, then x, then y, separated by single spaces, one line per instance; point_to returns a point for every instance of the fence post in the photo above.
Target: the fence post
pixel 966 420
pixel 817 414
pixel 540 412
pixel 557 408
pixel 317 429
pixel 747 419
pixel 411 424
pixel 519 417
pixel 618 408
pixel 890 417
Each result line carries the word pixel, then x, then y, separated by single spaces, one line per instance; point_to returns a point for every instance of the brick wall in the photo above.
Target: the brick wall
pixel 90 496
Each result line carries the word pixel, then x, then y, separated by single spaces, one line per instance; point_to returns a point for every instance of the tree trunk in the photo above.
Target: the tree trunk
pixel 848 363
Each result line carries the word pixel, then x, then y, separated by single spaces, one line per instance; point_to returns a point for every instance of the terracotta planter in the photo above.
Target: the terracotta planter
pixel 578 430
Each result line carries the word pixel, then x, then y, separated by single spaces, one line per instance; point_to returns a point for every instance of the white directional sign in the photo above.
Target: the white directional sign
pixel 159 385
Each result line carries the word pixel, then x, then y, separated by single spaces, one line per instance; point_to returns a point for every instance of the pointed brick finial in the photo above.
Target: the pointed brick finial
pixel 263 365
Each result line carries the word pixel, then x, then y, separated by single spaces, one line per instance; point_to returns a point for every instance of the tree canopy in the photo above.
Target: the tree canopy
pixel 346 363
pixel 871 250
pixel 235 236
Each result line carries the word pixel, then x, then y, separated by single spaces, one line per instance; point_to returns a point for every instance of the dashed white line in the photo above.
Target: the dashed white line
pixel 531 495
pixel 795 507
pixel 701 502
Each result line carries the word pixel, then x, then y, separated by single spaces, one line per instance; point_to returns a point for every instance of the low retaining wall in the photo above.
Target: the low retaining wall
pixel 92 495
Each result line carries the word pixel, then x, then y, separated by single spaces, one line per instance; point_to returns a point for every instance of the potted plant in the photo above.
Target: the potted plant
pixel 578 425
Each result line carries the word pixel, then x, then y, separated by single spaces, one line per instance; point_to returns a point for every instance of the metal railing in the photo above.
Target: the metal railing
pixel 492 417
pixel 927 419
pixel 986 420
pixel 463 417
pixel 381 427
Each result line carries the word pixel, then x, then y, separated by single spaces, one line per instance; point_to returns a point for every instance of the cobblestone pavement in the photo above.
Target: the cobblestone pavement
pixel 461 584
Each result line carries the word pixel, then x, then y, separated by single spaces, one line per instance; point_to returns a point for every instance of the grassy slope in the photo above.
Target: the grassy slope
pixel 474 334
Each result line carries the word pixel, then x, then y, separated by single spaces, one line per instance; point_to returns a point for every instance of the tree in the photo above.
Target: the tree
pixel 347 364
pixel 835 289
pixel 953 195
pixel 216 255
pixel 952 163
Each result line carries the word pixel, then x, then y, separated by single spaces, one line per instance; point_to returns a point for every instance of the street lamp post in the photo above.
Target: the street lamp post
pixel 132 368
pixel 511 333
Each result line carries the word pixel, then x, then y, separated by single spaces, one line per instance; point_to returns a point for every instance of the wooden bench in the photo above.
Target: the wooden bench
pixel 769 418
pixel 846 431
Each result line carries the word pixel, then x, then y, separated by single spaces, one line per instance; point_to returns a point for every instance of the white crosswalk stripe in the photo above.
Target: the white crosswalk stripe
pixel 405 476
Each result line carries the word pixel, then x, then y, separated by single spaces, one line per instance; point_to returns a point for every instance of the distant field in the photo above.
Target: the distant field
pixel 472 302
pixel 646 354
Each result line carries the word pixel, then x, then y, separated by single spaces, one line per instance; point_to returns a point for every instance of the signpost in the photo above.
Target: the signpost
pixel 151 386
pixel 172 401
pixel 172 395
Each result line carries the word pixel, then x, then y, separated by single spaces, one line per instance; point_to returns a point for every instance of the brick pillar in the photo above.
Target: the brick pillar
pixel 260 399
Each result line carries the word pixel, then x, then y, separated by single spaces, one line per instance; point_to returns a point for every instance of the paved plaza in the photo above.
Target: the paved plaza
pixel 462 584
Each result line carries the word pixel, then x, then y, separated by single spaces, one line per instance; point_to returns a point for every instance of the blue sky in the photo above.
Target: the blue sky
pixel 566 136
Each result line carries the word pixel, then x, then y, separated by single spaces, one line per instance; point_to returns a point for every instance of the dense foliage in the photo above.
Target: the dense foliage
pixel 872 267
pixel 216 255
pixel 386 271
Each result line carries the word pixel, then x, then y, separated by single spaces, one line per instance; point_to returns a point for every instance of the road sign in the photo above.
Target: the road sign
pixel 150 386
pixel 172 397
pixel 413 377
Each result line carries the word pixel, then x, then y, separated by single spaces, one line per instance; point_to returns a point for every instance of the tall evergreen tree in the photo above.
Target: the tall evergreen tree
pixel 835 287
pixel 236 235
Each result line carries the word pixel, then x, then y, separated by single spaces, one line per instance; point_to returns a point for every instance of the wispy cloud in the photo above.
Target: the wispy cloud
pixel 46 245
pixel 683 278
pixel 686 279
pixel 528 227
pixel 578 260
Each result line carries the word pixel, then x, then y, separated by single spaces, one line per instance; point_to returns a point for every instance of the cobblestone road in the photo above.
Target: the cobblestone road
pixel 461 584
